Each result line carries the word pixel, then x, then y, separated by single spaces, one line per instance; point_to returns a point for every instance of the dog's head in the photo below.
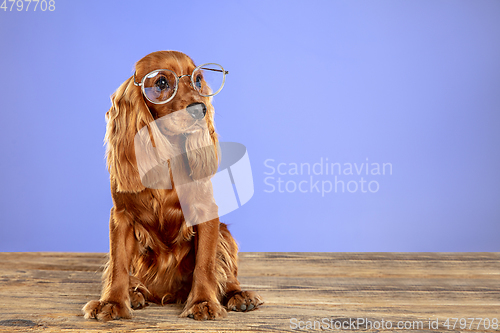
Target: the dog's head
pixel 170 83
pixel 169 98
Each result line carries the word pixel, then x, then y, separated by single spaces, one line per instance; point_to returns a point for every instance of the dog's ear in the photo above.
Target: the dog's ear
pixel 127 115
pixel 202 149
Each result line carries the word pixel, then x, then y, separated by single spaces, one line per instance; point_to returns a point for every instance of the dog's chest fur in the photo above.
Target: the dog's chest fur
pixel 158 219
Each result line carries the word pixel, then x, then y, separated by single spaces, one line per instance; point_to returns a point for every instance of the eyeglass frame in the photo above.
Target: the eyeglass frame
pixel 177 78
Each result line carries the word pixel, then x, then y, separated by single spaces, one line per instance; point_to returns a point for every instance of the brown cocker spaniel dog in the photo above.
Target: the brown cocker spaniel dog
pixel 155 254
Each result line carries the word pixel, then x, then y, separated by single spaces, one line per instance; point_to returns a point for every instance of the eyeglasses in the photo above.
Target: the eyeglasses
pixel 160 86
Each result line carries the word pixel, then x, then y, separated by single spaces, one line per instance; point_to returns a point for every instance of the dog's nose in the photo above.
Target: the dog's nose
pixel 197 110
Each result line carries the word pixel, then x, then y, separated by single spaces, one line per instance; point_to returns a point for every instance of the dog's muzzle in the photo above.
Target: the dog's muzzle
pixel 197 110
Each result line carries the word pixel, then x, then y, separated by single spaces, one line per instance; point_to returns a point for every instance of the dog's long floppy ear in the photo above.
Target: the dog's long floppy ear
pixel 127 115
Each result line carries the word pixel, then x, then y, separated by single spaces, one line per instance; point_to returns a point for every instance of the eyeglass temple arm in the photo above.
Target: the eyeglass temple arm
pixel 215 70
pixel 136 83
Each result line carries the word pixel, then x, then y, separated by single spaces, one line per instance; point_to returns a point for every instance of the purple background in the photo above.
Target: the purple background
pixel 412 83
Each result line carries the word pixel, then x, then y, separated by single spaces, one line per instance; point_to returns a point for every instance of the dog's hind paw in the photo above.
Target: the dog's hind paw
pixel 244 301
pixel 205 310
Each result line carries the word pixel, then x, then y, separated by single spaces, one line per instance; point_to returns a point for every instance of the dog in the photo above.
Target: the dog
pixel 167 244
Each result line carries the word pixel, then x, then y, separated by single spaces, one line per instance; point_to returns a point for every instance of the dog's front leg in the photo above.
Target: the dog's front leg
pixel 115 302
pixel 203 301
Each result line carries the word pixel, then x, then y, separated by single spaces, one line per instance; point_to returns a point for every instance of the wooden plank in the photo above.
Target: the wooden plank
pixel 44 292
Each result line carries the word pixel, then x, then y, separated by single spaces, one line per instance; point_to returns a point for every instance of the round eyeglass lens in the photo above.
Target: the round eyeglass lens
pixel 208 79
pixel 160 85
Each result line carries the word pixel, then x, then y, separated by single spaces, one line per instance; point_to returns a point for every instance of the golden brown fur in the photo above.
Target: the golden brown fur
pixel 155 256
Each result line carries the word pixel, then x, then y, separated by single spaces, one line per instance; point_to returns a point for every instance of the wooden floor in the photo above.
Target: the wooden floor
pixel 44 292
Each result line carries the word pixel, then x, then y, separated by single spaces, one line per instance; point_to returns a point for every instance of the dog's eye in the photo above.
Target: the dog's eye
pixel 198 81
pixel 161 84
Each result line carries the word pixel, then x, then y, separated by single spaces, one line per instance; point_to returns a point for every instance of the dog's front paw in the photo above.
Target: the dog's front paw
pixel 102 310
pixel 205 310
pixel 244 301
